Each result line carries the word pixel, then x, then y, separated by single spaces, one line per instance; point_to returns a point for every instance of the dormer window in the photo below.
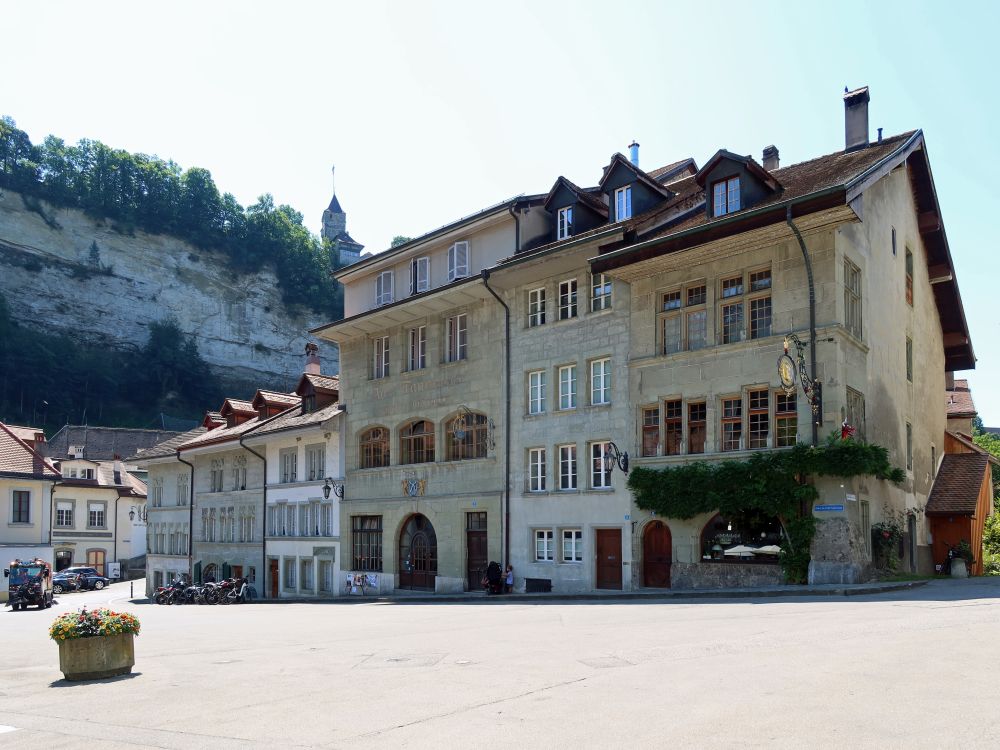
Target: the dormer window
pixel 458 261
pixel 565 223
pixel 623 203
pixel 383 288
pixel 726 196
pixel 420 275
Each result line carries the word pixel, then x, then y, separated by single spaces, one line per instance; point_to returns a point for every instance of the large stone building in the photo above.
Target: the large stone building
pixel 541 339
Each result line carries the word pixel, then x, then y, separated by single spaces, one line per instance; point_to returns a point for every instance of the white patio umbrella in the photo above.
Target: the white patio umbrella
pixel 771 549
pixel 740 550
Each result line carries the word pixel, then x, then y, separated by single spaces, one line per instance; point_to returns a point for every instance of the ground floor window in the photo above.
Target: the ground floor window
pixel 307 574
pixel 366 543
pixel 747 537
pixel 325 576
pixel 543 545
pixel 157 579
pixel 572 540
pixel 290 573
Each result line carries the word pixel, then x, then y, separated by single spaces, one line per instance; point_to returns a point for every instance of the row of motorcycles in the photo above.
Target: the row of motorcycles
pixel 228 591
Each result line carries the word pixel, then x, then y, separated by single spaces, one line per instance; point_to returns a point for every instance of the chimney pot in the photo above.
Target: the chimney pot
pixel 856 119
pixel 770 158
pixel 312 359
pixel 633 153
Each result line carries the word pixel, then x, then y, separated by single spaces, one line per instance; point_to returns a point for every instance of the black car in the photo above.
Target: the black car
pixel 64 581
pixel 89 577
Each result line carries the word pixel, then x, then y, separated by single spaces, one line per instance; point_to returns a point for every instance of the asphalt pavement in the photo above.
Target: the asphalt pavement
pixel 909 668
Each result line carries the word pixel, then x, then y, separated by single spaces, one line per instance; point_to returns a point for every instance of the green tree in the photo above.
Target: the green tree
pixel 399 240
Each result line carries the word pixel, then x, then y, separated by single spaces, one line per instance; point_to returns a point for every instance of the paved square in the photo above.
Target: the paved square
pixel 911 669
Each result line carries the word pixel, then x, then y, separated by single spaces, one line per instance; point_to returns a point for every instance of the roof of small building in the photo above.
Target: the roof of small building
pixel 20 460
pixel 103 443
pixel 26 433
pixel 958 400
pixel 169 447
pixel 957 485
pixel 277 397
pixel 323 382
pixel 108 475
pixel 294 418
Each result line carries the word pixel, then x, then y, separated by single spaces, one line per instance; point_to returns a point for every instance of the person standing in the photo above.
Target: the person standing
pixel 509 580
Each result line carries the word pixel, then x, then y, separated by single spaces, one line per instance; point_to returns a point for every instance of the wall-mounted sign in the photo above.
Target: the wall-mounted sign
pixel 852 497
pixel 838 508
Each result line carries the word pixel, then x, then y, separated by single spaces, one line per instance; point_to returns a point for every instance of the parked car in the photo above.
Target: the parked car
pixel 63 581
pixel 89 577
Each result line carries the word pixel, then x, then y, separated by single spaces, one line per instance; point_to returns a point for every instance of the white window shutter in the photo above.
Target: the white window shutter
pixel 423 274
pixel 414 284
pixel 378 289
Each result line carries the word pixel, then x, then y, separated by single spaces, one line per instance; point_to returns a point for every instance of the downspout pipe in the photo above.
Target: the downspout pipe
pixel 506 426
pixel 190 518
pixel 512 210
pixel 263 522
pixel 812 316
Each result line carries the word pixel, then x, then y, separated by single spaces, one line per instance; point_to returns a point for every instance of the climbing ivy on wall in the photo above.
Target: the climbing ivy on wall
pixel 773 483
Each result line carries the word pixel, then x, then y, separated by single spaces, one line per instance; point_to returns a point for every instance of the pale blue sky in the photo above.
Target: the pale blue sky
pixel 434 110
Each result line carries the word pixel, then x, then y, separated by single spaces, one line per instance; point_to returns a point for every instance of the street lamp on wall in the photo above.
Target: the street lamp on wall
pixel 141 511
pixel 790 369
pixel 335 485
pixel 614 457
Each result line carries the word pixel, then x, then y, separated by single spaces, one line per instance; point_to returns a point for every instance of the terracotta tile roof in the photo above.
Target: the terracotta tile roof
pixel 956 488
pixel 103 443
pixel 323 382
pixel 239 405
pixel 958 400
pixel 222 434
pixel 169 447
pixel 18 459
pixel 294 418
pixel 26 433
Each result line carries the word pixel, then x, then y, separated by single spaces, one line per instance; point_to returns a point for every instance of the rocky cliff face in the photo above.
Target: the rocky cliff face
pixel 66 272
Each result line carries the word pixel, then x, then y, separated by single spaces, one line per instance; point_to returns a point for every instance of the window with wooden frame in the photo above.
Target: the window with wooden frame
pixel 696 317
pixel 759 418
pixel 673 429
pixel 855 407
pixel 732 424
pixel 760 304
pixel 564 223
pixel 786 420
pixel 731 309
pixel 567 299
pixel 909 359
pixel 380 357
pixel 623 203
pixel 572 541
pixel 416 442
pixel 567 467
pixel 852 298
pixel 671 334
pixel 726 196
pixel 420 275
pixel 600 292
pixel 536 392
pixel 909 277
pixel 20 507
pixel 697 427
pixel 366 543
pixel 383 288
pixel 567 387
pixel 536 470
pixel 536 307
pixel 457 334
pixel 650 431
pixel 417 349
pixel 458 261
pixel 467 440
pixel 373 448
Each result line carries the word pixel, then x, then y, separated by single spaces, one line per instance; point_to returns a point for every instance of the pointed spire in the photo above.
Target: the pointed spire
pixel 334 207
pixel 333 176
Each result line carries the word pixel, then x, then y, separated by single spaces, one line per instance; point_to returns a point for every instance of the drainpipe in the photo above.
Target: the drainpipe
pixel 812 317
pixel 506 427
pixel 190 518
pixel 263 522
pixel 116 528
pixel 517 233
pixel 52 518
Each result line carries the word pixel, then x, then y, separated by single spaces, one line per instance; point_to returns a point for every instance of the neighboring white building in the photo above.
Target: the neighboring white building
pixel 303 447
pixel 168 537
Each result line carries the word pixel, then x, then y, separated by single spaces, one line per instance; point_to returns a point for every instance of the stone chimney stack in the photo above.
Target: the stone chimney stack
pixel 856 119
pixel 633 153
pixel 312 359
pixel 770 158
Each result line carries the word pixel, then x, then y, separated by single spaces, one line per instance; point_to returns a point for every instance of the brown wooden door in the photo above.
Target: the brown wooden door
pixel 656 555
pixel 417 554
pixel 476 561
pixel 274 578
pixel 609 559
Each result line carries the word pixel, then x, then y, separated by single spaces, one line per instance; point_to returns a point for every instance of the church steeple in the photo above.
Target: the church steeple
pixel 335 227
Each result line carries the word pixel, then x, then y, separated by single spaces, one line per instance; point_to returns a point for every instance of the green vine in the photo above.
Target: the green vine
pixel 772 483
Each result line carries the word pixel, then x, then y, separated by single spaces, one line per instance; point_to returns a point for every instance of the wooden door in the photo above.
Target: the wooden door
pixel 417 554
pixel 609 559
pixel 476 561
pixel 656 555
pixel 274 575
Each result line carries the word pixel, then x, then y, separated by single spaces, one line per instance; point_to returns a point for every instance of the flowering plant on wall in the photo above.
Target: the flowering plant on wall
pixel 92 624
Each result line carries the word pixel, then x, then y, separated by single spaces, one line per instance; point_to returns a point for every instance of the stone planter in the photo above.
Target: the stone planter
pixel 97 658
pixel 958 568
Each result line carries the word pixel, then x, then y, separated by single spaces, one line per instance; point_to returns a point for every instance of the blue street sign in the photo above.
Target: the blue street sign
pixel 829 508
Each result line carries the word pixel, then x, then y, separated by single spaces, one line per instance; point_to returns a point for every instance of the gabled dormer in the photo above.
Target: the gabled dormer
pixel 317 391
pixel 236 411
pixel 212 420
pixel 629 190
pixel 575 210
pixel 733 183
pixel 270 403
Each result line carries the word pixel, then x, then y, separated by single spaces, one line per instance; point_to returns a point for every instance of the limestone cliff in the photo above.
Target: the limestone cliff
pixel 66 272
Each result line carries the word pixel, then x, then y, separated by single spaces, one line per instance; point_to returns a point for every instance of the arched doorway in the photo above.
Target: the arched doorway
pixel 657 554
pixel 64 558
pixel 417 554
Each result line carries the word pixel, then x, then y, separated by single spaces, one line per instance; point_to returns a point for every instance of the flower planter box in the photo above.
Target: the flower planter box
pixel 98 657
pixel 958 568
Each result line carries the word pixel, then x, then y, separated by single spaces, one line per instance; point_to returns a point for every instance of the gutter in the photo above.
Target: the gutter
pixel 190 518
pixel 263 516
pixel 506 427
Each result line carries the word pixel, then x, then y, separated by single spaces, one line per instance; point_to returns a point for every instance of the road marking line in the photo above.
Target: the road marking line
pixel 4 729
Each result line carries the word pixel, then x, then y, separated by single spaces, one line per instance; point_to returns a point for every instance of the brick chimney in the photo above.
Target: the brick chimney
pixel 856 119
pixel 312 359
pixel 770 158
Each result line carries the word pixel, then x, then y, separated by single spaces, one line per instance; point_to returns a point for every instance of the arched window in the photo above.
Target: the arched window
pixel 747 537
pixel 416 442
pixel 467 436
pixel 374 448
